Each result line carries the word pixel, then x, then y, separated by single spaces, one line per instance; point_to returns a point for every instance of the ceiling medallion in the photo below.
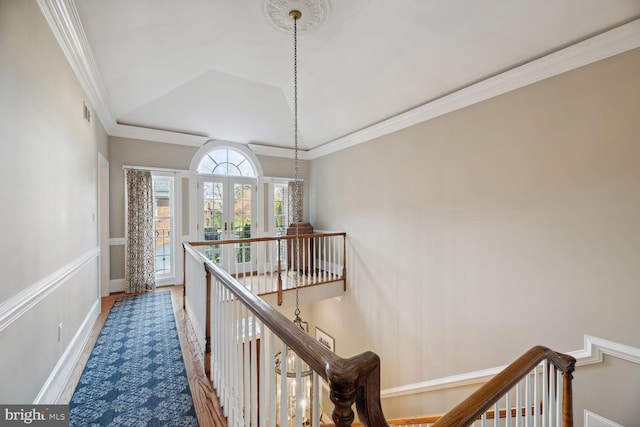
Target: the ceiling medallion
pixel 314 13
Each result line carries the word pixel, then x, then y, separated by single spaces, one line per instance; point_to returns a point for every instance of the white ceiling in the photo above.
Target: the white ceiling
pixel 218 69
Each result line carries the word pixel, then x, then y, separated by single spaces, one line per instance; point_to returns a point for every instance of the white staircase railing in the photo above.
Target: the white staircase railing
pixel 242 333
pixel 195 303
pixel 533 391
pixel 268 265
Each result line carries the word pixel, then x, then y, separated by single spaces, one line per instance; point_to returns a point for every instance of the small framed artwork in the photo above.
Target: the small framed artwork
pixel 325 339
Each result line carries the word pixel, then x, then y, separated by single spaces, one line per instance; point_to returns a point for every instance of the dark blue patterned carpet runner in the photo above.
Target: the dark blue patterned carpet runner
pixel 135 375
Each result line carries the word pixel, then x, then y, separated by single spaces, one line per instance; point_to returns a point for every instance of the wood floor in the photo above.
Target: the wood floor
pixel 204 398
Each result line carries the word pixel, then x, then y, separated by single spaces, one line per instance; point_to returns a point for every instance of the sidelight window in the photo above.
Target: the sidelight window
pixel 163 225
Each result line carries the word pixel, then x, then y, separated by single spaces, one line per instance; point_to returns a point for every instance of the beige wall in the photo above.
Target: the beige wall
pixel 133 152
pixel 478 234
pixel 48 166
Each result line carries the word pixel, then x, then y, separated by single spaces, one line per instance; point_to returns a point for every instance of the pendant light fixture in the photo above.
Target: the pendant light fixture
pixel 298 382
pixel 297 196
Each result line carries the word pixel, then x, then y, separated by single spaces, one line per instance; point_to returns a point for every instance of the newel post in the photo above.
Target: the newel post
pixel 356 380
pixel 567 395
pixel 343 395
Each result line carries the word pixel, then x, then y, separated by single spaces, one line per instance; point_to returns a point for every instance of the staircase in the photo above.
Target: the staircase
pixel 240 332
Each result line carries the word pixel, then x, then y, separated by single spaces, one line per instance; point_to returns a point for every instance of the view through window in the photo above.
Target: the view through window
pixel 163 219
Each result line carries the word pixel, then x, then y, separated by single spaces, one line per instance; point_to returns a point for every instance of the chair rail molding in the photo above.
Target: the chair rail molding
pixel 593 352
pixel 595 348
pixel 16 306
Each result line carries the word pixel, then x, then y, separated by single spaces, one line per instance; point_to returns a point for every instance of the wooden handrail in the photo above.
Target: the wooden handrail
pixel 265 239
pixel 354 380
pixel 482 399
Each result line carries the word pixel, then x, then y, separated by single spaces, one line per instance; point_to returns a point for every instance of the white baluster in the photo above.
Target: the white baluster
pixel 527 400
pixel 552 397
pixel 283 385
pixel 298 392
pixel 254 373
pixel 315 408
pixel 263 256
pixel 229 331
pixel 263 374
pixel 244 346
pixel 507 404
pixel 215 332
pixel 224 362
pixel 545 394
pixel 559 397
pixel 271 380
pixel 235 361
pixel 332 255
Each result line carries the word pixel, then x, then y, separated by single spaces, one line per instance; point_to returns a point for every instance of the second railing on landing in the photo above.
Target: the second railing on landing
pixel 267 265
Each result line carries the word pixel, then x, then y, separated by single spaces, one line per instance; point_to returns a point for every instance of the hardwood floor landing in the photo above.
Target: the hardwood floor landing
pixel 205 399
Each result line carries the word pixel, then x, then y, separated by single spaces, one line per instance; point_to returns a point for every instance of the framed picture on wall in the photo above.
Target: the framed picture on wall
pixel 325 339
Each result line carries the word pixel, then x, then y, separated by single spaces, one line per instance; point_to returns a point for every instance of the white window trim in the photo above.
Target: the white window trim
pixel 214 145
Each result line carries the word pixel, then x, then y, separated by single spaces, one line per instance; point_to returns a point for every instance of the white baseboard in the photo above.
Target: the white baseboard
pixel 594 420
pixel 116 285
pixel 593 352
pixel 53 387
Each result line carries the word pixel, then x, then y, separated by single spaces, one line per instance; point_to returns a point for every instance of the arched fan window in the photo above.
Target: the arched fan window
pixel 228 162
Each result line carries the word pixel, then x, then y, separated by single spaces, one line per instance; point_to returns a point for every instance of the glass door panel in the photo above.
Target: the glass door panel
pixel 213 216
pixel 227 214
pixel 242 216
pixel 163 219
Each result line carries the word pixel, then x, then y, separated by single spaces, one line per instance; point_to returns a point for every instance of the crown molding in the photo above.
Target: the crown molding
pixel 62 17
pixel 605 45
pixel 158 135
pixel 288 153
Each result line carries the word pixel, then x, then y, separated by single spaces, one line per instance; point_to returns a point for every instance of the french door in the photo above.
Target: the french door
pixel 227 212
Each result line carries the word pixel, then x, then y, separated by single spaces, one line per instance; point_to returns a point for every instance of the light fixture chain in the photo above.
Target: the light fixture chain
pixel 296 198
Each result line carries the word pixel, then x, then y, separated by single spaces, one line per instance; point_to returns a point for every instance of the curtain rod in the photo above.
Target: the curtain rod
pixel 152 169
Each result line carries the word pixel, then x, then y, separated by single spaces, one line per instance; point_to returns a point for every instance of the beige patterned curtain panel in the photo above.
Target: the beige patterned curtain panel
pixel 140 269
pixel 296 196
